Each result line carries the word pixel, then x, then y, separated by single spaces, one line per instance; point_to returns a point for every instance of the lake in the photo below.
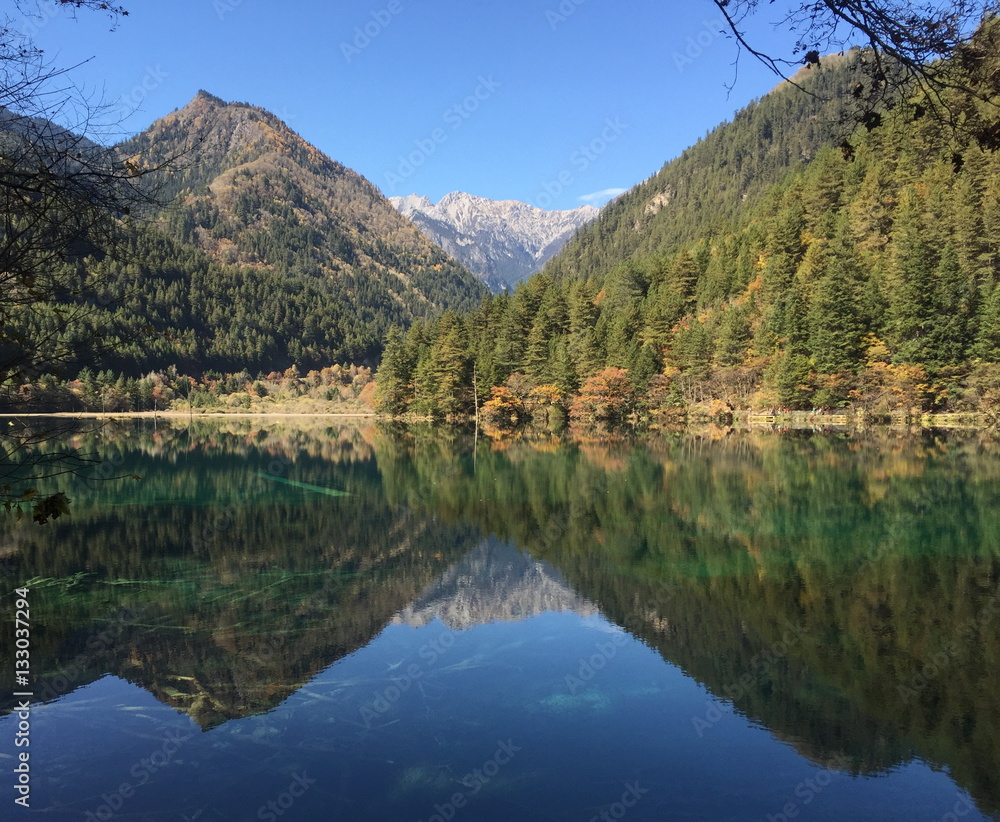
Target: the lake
pixel 349 622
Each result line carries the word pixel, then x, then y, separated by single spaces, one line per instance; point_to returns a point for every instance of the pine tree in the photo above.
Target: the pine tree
pixel 537 357
pixel 664 306
pixel 717 282
pixel 988 270
pixel 824 181
pixel 394 379
pixel 910 297
pixel 581 346
pixel 692 348
pixel 796 324
pixel 987 346
pixel 684 273
pixel 621 341
pixel 788 376
pixel 835 324
pixel 871 220
pixel 645 365
pixel 441 378
pixel 551 321
pixel 948 335
pixel 563 371
pixel 733 335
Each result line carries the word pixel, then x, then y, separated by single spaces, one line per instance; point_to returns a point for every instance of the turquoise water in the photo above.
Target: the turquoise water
pixel 411 627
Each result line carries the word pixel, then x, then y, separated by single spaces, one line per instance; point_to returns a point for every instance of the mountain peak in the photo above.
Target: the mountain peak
pixel 203 95
pixel 254 193
pixel 206 100
pixel 411 203
pixel 501 241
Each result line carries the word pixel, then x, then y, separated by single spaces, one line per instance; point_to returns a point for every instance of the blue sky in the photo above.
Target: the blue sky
pixel 552 102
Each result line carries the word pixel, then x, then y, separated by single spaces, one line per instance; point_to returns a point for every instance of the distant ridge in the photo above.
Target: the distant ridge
pixel 500 241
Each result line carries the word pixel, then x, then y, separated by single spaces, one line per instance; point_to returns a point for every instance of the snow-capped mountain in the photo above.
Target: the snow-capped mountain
pixel 500 241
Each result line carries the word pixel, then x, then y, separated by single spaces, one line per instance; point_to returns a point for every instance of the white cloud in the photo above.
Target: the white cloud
pixel 601 197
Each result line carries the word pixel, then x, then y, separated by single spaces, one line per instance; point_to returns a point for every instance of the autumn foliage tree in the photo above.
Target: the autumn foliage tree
pixel 504 409
pixel 607 396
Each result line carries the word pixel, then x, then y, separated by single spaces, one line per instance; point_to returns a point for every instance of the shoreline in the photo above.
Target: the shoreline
pixel 766 420
pixel 155 415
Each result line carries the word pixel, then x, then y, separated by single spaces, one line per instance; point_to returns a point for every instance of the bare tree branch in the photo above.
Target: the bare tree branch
pixel 907 46
pixel 65 200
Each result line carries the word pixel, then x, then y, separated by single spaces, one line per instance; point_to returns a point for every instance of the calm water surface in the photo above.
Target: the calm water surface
pixel 358 624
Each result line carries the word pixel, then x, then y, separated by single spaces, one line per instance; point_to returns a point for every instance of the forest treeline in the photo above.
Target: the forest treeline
pixel 866 277
pixel 158 303
pixel 335 389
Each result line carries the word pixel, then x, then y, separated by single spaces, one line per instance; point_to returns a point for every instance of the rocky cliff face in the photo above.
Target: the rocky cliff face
pixel 502 242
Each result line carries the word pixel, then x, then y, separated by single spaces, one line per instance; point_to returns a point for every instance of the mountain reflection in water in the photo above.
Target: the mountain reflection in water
pixel 727 629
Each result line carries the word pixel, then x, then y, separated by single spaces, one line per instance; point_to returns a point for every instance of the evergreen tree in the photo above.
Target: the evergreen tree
pixel 563 372
pixel 987 346
pixel 948 335
pixel 685 272
pixel 663 308
pixel 733 335
pixel 692 348
pixel 645 365
pixel 395 375
pixel 788 376
pixel 835 324
pixel 870 212
pixel 441 378
pixel 581 345
pixel 910 296
pixel 621 340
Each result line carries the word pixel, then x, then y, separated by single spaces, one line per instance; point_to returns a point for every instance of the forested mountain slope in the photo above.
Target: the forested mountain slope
pixel 712 182
pixel 250 191
pixel 267 254
pixel 866 277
